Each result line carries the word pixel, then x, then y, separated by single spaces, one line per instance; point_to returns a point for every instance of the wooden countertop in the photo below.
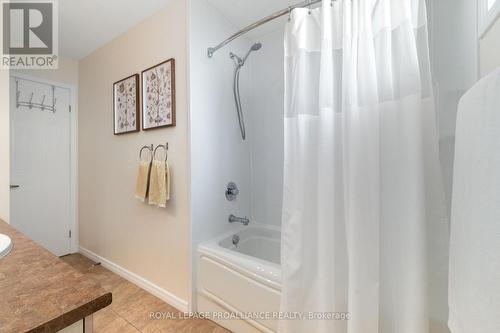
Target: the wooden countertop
pixel 41 293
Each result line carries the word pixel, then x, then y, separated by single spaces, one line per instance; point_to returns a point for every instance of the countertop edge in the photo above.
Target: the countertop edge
pixel 42 293
pixel 74 315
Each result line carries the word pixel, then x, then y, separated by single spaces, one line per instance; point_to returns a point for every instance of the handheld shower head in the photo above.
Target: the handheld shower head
pixel 254 47
pixel 238 62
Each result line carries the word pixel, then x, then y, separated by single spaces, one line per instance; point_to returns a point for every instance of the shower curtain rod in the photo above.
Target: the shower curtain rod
pixel 306 3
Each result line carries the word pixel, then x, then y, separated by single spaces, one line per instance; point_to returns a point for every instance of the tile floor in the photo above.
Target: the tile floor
pixel 131 307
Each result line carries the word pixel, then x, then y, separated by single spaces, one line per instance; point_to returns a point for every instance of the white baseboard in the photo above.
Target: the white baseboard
pixel 159 292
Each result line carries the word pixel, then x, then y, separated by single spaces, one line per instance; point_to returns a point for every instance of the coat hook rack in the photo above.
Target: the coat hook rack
pixel 42 106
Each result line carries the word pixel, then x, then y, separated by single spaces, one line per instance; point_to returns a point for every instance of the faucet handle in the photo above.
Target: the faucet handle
pixel 232 191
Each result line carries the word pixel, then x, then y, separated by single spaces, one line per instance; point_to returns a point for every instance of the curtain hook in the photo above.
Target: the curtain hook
pixel 331 3
pixel 309 7
pixel 289 13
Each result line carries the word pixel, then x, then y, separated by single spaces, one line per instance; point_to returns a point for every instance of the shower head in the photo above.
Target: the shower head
pixel 254 47
pixel 239 61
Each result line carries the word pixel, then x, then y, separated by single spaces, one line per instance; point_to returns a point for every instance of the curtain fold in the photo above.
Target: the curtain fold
pixel 362 184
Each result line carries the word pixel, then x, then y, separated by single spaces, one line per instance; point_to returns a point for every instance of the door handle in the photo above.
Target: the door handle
pixel 14 186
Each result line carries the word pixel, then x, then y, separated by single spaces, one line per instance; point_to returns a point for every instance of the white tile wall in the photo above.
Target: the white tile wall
pixel 266 129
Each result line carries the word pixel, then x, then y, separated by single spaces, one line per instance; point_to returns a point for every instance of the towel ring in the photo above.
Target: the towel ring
pixel 165 146
pixel 150 148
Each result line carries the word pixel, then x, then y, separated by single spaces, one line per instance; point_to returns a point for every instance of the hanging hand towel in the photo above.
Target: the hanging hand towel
pixel 159 184
pixel 141 185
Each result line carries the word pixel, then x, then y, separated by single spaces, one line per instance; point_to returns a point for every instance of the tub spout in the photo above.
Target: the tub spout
pixel 242 220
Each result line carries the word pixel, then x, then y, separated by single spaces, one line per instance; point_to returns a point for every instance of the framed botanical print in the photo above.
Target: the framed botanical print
pixel 126 105
pixel 158 95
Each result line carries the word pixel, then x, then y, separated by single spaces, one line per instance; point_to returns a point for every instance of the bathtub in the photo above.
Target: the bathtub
pixel 239 287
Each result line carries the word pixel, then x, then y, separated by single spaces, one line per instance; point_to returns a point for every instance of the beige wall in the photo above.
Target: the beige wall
pixel 4 146
pixel 489 49
pixel 151 242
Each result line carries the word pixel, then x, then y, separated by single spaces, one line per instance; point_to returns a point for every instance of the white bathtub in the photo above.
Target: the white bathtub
pixel 243 280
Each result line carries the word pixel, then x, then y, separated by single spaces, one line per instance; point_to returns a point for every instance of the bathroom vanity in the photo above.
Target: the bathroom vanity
pixel 41 293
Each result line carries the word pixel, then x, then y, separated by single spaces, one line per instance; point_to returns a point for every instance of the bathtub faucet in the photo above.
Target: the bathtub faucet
pixel 242 220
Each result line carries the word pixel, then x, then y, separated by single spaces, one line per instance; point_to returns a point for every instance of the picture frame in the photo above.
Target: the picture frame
pixel 126 108
pixel 158 95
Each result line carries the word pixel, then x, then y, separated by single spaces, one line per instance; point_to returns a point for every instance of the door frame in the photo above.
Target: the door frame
pixel 73 225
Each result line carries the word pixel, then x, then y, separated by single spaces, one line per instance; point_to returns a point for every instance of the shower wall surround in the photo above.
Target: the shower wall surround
pixel 454 59
pixel 218 154
pixel 265 118
pixel 489 49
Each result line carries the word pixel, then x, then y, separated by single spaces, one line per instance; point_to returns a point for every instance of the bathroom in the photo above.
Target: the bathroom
pixel 322 166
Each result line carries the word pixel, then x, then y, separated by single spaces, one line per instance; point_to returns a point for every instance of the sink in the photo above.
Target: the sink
pixel 5 245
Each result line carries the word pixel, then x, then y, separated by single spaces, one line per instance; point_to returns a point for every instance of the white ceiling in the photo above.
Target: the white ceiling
pixel 86 25
pixel 244 12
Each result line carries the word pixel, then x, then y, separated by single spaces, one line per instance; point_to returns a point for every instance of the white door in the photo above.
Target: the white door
pixel 40 165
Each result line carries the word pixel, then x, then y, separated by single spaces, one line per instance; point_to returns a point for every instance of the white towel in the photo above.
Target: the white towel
pixel 474 276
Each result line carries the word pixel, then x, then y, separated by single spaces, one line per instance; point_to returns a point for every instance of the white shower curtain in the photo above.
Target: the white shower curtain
pixel 362 183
